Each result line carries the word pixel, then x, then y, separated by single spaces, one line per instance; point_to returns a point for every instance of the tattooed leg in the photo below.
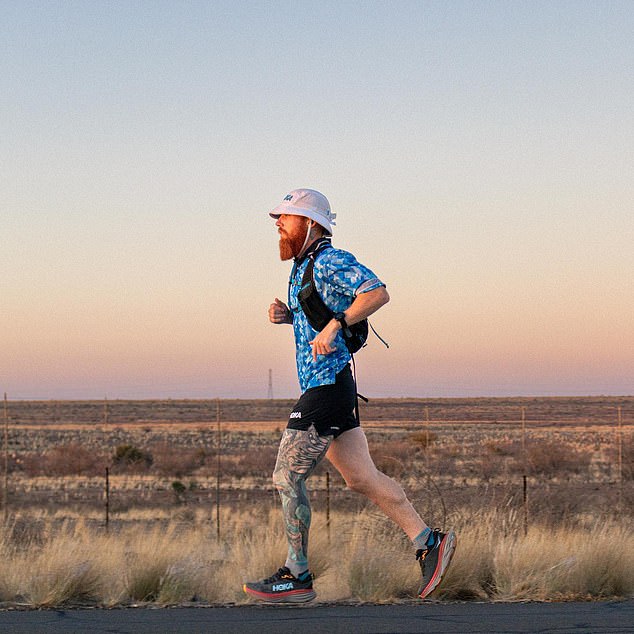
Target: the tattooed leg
pixel 299 453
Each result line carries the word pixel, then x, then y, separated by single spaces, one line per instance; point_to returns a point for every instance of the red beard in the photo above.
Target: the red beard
pixel 290 245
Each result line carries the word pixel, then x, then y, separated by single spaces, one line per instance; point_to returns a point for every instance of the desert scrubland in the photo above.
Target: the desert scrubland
pixel 540 491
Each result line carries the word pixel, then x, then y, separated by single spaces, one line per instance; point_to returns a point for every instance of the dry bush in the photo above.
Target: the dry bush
pixel 64 460
pixel 254 462
pixel 393 457
pixel 549 457
pixel 490 467
pixel 444 458
pixel 176 461
pixel 554 504
pixel 423 438
pixel 502 447
pixel 131 459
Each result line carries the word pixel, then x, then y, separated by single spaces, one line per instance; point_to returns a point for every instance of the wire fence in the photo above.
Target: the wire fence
pixel 553 458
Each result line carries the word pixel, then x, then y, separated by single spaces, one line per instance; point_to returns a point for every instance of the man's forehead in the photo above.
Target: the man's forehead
pixel 291 216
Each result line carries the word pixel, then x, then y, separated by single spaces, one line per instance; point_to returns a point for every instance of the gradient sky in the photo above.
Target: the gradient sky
pixel 480 157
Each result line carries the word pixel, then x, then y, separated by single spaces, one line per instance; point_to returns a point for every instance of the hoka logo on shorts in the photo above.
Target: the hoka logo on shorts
pixel 295 415
pixel 288 197
pixel 280 587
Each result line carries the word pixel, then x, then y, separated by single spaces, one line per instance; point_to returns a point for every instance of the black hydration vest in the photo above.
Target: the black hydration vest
pixel 318 314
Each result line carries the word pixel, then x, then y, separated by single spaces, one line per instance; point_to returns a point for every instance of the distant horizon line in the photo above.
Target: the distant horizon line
pixel 42 399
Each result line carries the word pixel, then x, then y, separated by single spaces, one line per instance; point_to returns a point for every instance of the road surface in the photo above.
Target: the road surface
pixel 598 617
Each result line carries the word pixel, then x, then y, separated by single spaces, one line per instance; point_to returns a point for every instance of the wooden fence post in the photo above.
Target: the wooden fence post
pixel 107 498
pixel 5 494
pixel 328 505
pixel 619 445
pixel 218 450
pixel 524 476
pixel 525 503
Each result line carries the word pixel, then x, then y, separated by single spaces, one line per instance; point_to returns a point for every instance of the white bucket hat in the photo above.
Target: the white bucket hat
pixel 308 203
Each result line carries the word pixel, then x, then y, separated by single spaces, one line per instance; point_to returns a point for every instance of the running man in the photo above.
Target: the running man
pixel 323 422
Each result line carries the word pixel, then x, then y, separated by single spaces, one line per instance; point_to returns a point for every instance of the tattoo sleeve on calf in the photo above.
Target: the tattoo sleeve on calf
pixel 299 453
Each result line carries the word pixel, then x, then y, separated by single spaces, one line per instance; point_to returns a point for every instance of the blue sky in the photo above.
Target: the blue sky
pixel 479 156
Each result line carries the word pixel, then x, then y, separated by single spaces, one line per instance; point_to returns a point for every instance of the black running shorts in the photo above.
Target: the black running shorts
pixel 330 408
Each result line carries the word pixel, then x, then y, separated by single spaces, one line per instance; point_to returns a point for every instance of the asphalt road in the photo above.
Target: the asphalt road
pixel 600 617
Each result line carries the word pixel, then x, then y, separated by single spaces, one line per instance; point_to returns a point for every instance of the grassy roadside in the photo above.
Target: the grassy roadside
pixel 367 559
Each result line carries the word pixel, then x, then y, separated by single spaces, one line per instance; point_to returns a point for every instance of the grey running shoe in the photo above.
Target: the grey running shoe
pixel 282 587
pixel 434 560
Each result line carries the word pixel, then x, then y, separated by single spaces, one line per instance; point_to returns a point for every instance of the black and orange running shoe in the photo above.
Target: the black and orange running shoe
pixel 282 587
pixel 435 559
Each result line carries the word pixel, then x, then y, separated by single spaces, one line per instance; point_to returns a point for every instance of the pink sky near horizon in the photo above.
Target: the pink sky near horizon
pixel 472 342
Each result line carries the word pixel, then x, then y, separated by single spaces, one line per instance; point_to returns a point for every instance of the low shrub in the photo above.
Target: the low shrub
pixel 393 457
pixel 423 438
pixel 260 461
pixel 550 457
pixel 65 460
pixel 131 457
pixel 502 447
pixel 173 461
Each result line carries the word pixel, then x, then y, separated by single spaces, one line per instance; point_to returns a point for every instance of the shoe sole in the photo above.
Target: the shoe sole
pixel 447 548
pixel 292 596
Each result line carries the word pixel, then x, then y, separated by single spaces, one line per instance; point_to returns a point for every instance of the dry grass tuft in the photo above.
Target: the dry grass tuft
pixel 380 563
pixel 57 572
pixel 471 574
pixel 165 566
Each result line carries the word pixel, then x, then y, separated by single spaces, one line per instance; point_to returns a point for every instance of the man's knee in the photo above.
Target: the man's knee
pixel 284 479
pixel 281 479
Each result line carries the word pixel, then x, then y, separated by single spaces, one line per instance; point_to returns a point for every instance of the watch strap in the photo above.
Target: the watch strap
pixel 341 318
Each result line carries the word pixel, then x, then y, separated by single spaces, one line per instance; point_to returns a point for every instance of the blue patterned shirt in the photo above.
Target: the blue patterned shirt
pixel 338 279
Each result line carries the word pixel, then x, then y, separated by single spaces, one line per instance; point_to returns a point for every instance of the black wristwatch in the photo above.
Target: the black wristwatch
pixel 341 318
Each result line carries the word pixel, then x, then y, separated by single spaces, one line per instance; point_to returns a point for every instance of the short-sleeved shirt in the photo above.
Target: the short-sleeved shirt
pixel 339 278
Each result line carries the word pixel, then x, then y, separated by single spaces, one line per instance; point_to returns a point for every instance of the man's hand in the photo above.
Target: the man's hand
pixel 322 343
pixel 279 313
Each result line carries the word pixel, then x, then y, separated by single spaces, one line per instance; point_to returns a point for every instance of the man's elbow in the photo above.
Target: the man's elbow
pixel 384 296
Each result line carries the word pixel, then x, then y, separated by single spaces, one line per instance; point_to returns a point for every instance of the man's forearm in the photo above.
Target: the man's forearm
pixel 365 304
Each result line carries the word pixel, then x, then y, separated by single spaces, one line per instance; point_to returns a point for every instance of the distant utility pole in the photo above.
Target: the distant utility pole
pixel 270 393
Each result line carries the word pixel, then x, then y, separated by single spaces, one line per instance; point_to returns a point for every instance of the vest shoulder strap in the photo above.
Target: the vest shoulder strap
pixel 317 312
